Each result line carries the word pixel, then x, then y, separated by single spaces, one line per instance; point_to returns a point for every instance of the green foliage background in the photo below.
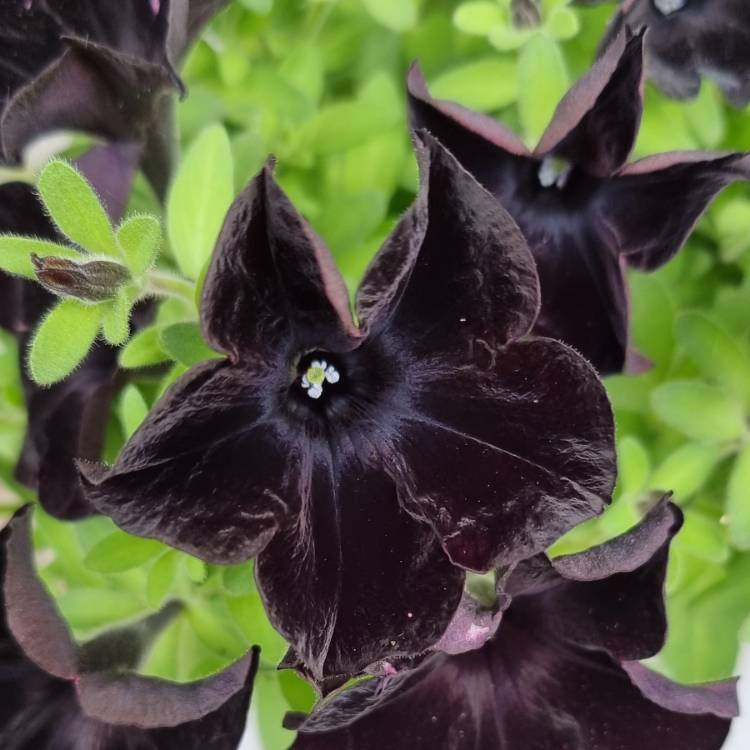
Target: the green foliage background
pixel 320 85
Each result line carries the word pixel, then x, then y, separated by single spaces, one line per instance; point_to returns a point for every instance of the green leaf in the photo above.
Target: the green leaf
pixel 478 17
pixel 139 238
pixel 120 551
pixel 397 15
pixel 485 85
pixel 15 254
pixel 217 630
pixel 196 569
pixel 699 411
pixel 238 579
pixel 75 208
pixel 143 350
pixel 132 410
pixel 703 537
pixel 715 353
pixel 161 576
pixel 542 82
pixel 507 38
pixel 706 117
pixel 633 464
pixel 199 198
pixel 563 23
pixel 652 321
pixel 686 470
pixel 62 340
pixel 183 343
pixel 116 319
pixel 732 227
pixel 738 500
pixel 89 608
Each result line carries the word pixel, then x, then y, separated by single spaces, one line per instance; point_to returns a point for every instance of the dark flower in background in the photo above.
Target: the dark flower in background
pixel 69 419
pixel 57 695
pixel 688 39
pixel 583 210
pixel 560 672
pixel 97 66
pixel 363 465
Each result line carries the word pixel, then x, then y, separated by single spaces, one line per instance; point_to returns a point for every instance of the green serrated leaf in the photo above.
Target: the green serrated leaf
pixel 161 576
pixel 199 198
pixel 120 551
pixel 699 411
pixel 478 17
pixel 132 409
pixel 738 500
pixel 485 85
pixel 15 254
pixel 139 238
pixel 397 15
pixel 686 470
pixel 116 319
pixel 184 343
pixel 715 353
pixel 542 82
pixel 62 340
pixel 143 350
pixel 75 208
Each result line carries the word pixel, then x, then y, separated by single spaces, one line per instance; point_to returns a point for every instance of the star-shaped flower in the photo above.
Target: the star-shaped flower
pixel 433 438
pixel 68 419
pixel 97 66
pixel 583 210
pixel 689 39
pixel 57 695
pixel 560 672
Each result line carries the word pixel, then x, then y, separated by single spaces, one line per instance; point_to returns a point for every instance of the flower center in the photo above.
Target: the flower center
pixel 317 375
pixel 554 171
pixel 667 7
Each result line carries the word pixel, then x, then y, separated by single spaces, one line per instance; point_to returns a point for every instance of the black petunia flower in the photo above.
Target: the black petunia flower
pixel 56 695
pixel 689 39
pixel 583 210
pixel 559 673
pixel 69 419
pixel 363 464
pixel 97 66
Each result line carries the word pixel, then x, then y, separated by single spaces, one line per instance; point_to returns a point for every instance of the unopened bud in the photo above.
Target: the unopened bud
pixel 95 281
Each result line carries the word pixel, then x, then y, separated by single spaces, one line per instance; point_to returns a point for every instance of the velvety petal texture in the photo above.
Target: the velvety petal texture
pixel 67 420
pixel 313 445
pixel 94 66
pixel 57 695
pixel 555 676
pixel 690 40
pixel 583 211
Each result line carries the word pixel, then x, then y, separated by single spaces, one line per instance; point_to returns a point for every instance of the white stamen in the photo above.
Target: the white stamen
pixel 553 171
pixel 319 373
pixel 332 374
pixel 667 7
pixel 315 391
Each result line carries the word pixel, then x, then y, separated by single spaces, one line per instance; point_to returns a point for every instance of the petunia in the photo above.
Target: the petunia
pixel 69 419
pixel 101 67
pixel 690 39
pixel 583 210
pixel 560 672
pixel 366 466
pixel 57 695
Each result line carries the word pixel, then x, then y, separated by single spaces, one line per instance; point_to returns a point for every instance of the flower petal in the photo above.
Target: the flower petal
pixel 668 193
pixel 596 123
pixel 472 278
pixel 203 472
pixel 357 580
pixel 31 614
pixel 502 461
pixel 272 284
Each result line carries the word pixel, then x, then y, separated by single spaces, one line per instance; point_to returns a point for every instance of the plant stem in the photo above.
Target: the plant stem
pixel 166 284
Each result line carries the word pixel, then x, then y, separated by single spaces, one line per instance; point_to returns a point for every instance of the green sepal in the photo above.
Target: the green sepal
pixel 184 344
pixel 139 238
pixel 62 340
pixel 75 208
pixel 16 252
pixel 143 350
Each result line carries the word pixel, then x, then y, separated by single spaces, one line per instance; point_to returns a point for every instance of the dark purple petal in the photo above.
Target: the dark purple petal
pixel 203 473
pixel 31 614
pixel 668 193
pixel 596 123
pixel 357 580
pixel 476 468
pixel 272 284
pixel 472 277
pixel 610 597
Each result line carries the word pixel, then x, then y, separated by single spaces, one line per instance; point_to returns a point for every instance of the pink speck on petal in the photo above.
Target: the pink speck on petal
pixel 155 6
pixel 476 633
pixel 388 669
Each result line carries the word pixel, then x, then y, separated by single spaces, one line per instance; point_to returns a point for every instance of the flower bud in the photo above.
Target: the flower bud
pixel 95 281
